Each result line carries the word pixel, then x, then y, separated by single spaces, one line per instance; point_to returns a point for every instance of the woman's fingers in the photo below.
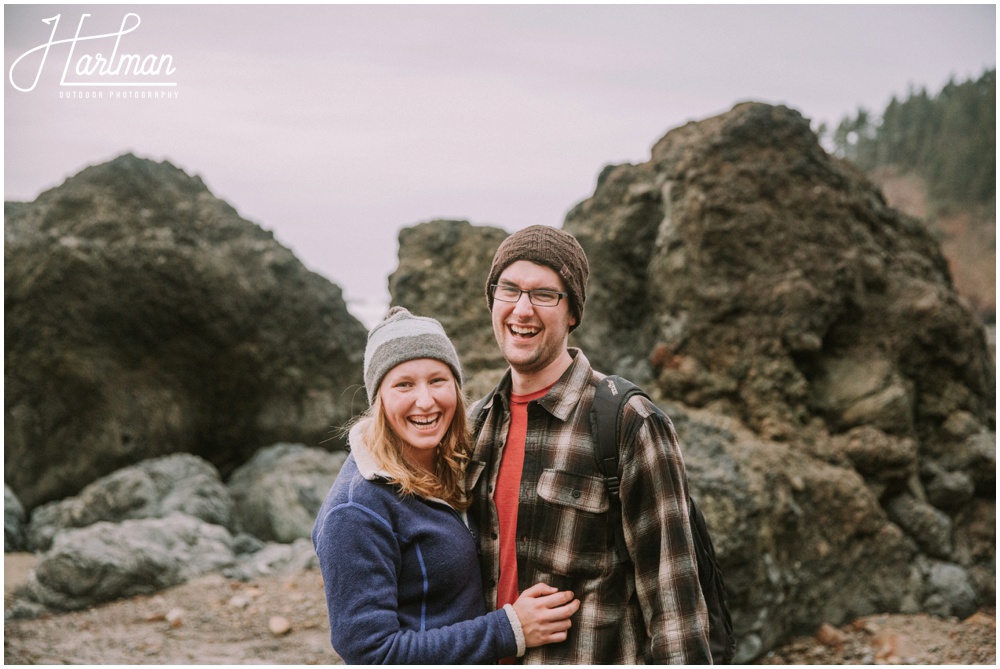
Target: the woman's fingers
pixel 556 599
pixel 540 590
pixel 562 613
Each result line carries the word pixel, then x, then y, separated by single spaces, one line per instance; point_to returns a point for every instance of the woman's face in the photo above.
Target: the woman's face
pixel 419 398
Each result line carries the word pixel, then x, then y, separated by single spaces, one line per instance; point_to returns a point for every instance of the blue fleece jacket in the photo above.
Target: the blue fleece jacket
pixel 402 576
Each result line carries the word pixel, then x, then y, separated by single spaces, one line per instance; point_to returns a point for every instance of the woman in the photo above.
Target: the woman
pixel 398 559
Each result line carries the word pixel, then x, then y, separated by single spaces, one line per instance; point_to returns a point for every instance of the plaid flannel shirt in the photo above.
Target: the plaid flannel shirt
pixel 644 609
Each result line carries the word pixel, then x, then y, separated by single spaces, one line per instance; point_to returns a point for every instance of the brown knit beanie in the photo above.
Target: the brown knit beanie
pixel 545 245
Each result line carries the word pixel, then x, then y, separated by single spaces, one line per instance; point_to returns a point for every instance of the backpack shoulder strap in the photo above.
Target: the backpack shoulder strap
pixel 613 392
pixel 606 416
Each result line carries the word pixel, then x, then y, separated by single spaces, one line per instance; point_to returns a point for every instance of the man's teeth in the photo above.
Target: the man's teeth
pixel 523 331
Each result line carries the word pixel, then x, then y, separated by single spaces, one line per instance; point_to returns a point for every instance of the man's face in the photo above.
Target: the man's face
pixel 531 337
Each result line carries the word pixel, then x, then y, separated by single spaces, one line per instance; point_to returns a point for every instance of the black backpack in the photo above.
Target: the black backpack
pixel 612 394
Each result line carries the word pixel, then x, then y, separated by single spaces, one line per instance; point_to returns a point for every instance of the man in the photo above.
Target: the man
pixel 541 503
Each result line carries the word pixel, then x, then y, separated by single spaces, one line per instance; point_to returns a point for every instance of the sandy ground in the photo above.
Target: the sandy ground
pixel 282 620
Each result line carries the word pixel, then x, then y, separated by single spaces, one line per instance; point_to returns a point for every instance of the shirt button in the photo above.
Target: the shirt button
pixel 576 494
pixel 494 536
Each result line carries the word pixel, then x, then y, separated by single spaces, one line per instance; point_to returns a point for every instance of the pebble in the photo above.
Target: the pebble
pixel 175 617
pixel 831 637
pixel 279 625
pixel 239 601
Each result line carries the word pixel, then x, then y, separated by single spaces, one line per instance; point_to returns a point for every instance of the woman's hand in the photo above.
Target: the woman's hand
pixel 544 613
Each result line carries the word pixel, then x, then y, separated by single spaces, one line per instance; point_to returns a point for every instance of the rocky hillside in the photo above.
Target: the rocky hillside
pixel 834 395
pixel 145 317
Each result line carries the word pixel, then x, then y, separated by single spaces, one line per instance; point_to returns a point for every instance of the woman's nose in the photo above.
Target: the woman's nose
pixel 425 398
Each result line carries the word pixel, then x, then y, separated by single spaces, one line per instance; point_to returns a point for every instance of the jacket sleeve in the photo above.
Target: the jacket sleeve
pixel 654 496
pixel 359 557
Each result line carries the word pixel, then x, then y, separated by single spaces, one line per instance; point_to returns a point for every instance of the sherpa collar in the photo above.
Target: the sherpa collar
pixel 369 468
pixel 363 456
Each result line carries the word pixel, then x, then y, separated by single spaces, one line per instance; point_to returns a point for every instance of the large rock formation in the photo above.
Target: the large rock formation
pixel 748 271
pixel 144 317
pixel 833 394
pixel 442 273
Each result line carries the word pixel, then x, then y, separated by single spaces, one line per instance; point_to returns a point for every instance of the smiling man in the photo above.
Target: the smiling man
pixel 543 509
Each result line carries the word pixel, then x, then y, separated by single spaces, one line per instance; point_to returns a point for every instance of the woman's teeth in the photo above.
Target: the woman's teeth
pixel 424 422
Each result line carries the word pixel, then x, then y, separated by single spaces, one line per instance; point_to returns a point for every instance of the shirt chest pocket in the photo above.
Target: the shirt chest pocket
pixel 576 491
pixel 572 524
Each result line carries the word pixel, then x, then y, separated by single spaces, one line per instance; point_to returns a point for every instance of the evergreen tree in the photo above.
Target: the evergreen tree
pixel 948 139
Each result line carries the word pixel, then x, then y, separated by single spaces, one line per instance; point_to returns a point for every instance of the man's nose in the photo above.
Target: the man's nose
pixel 523 304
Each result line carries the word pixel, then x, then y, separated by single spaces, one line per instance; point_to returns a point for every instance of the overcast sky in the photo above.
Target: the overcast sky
pixel 335 126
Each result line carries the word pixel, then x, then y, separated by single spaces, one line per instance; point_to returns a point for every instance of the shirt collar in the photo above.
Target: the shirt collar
pixel 562 399
pixel 564 394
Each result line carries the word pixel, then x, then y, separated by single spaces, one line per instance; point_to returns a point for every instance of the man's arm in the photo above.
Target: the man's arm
pixel 654 497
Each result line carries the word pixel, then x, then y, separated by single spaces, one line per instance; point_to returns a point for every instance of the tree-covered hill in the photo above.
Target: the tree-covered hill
pixel 948 139
pixel 935 158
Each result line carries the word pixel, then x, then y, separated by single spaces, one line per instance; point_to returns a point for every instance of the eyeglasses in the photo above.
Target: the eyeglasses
pixel 539 297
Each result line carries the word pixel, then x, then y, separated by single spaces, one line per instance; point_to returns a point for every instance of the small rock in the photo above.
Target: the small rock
pixel 175 617
pixel 980 618
pixel 239 601
pixel 279 625
pixel 891 647
pixel 831 637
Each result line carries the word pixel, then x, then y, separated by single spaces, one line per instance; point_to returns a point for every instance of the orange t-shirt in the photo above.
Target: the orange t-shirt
pixel 507 494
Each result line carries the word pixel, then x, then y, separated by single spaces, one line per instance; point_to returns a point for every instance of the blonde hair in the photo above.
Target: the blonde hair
pixel 451 456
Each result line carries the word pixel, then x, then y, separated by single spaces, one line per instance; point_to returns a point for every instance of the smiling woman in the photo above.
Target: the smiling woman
pixel 399 558
pixel 418 399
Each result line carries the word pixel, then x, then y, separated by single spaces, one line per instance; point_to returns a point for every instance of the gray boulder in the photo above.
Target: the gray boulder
pixel 144 317
pixel 180 483
pixel 888 463
pixel 274 558
pixel 106 561
pixel 278 493
pixel 949 591
pixel 948 490
pixel 974 539
pixel 13 522
pixel 929 527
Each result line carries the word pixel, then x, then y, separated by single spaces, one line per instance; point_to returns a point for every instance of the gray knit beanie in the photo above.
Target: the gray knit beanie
pixel 545 245
pixel 402 337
